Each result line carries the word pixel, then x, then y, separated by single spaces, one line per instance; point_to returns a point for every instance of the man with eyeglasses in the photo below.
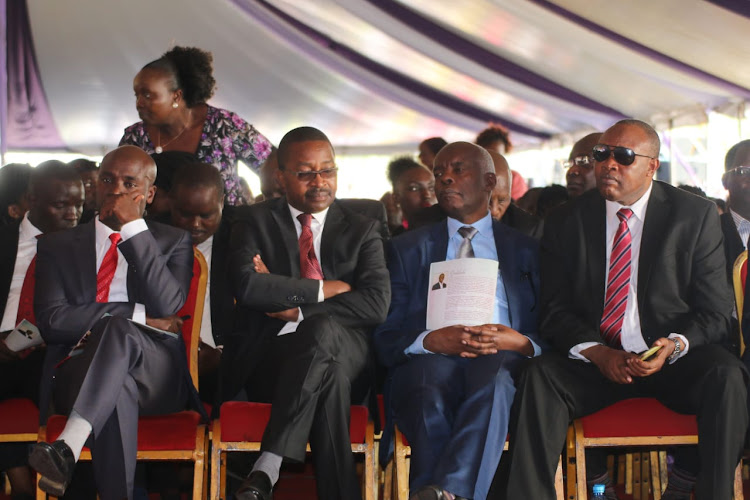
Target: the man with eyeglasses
pixel 631 265
pixel 310 275
pixel 735 223
pixel 579 173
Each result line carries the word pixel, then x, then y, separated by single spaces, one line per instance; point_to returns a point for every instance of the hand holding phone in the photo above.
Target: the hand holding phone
pixel 650 353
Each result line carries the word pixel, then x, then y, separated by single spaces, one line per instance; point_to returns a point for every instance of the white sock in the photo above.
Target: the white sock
pixel 75 433
pixel 270 463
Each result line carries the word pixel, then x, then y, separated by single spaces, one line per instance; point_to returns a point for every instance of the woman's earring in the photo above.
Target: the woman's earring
pixel 174 105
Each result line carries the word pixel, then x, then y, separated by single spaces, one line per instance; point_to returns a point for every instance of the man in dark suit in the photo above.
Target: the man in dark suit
pixel 306 348
pixel 451 388
pixel 579 169
pixel 440 284
pixel 631 265
pixel 197 206
pixel 735 222
pixel 122 370
pixel 56 197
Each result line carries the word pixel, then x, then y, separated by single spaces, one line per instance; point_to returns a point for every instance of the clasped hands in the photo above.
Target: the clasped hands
pixel 621 366
pixel 475 341
pixel 331 288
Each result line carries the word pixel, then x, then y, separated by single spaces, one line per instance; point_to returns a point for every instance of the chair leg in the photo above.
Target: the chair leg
pixel 559 488
pixel 629 474
pixel 655 475
pixel 738 493
pixel 216 461
pixel 388 481
pixel 570 452
pixel 637 476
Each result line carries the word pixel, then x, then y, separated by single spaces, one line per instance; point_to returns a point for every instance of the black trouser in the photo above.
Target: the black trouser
pixel 708 382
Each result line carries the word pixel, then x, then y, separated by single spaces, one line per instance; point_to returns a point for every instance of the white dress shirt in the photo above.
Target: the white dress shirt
pixel 118 290
pixel 207 336
pixel 27 239
pixel 743 227
pixel 631 337
pixel 316 225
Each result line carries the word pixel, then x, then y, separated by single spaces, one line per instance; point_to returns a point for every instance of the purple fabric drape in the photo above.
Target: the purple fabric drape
pixel 28 124
pixel 487 58
pixel 740 7
pixel 400 80
pixel 660 57
pixel 3 79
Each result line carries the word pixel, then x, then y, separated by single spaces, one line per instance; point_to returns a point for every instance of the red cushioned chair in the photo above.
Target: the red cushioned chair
pixel 739 279
pixel 241 425
pixel 636 422
pixel 177 436
pixel 402 451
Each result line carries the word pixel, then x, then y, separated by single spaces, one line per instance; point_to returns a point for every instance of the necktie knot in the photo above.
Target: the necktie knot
pixel 467 232
pixel 305 219
pixel 624 214
pixel 115 238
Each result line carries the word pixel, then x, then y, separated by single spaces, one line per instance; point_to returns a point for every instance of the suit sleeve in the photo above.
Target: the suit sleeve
pixel 367 304
pixel 263 292
pixel 162 281
pixel 709 297
pixel 392 337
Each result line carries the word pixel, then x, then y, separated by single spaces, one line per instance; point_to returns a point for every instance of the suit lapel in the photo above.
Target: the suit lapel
pixel 283 219
pixel 594 234
pixel 334 228
pixel 8 253
pixel 436 246
pixel 658 214
pixel 85 256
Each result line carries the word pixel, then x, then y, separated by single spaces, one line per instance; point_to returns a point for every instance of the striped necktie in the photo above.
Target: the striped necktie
pixel 618 282
pixel 107 270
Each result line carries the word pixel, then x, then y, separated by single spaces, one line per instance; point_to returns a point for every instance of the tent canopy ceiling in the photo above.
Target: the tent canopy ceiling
pixel 387 74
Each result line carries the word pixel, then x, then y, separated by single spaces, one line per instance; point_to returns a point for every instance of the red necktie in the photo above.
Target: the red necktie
pixel 26 301
pixel 618 281
pixel 107 269
pixel 308 263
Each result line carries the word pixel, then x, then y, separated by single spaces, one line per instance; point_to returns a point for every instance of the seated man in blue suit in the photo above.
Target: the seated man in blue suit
pixel 452 388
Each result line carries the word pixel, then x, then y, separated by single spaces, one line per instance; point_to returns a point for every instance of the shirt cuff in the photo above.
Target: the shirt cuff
pixel 132 228
pixel 417 347
pixel 537 349
pixel 321 297
pixel 575 351
pixel 139 313
pixel 685 345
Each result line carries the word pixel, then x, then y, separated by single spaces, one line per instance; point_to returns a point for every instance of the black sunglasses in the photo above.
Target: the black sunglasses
pixel 741 170
pixel 623 156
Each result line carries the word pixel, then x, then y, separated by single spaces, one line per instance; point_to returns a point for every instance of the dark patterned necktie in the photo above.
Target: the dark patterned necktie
pixel 308 262
pixel 618 282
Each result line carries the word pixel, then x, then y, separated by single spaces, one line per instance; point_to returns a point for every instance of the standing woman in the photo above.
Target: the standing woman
pixel 170 96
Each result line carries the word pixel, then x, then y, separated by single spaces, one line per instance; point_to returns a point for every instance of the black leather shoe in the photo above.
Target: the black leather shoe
pixel 55 463
pixel 256 486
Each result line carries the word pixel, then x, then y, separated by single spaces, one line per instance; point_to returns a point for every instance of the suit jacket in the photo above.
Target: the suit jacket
pixel 222 298
pixel 160 267
pixel 351 250
pixel 682 285
pixel 8 252
pixel 733 244
pixel 409 259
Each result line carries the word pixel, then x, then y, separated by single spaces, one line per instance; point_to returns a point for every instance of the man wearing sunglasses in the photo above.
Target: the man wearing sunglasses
pixel 310 276
pixel 579 173
pixel 630 265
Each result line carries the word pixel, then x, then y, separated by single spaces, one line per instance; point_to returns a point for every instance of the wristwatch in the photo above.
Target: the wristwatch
pixel 677 349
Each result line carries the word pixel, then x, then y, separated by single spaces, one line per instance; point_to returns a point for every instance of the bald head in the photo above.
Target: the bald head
pixel 464 180
pixel 501 195
pixel 125 185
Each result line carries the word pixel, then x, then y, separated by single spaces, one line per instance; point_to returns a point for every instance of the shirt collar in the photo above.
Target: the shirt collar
pixel 320 216
pixel 102 233
pixel 483 226
pixel 27 230
pixel 206 245
pixel 738 219
pixel 638 208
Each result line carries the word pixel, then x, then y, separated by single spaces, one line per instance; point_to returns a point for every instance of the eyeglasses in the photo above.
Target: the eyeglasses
pixel 623 156
pixel 309 175
pixel 582 161
pixel 741 170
